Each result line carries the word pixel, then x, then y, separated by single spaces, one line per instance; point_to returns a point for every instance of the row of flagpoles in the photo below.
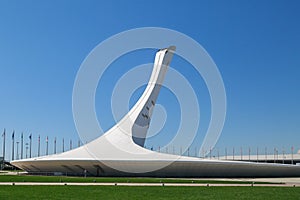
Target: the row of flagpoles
pixel 28 146
pixel 166 150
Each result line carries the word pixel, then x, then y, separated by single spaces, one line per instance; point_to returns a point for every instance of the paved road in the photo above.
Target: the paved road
pixel 287 182
pixel 155 184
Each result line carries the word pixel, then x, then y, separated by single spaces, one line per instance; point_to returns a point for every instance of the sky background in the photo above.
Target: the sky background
pixel 255 44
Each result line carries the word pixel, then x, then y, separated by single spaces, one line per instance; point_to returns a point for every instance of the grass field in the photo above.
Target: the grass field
pixel 66 179
pixel 140 192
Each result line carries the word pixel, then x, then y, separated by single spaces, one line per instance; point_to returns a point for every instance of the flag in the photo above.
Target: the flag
pixel 39 138
pixel 22 136
pixel 30 136
pixel 47 139
pixel 3 134
pixel 13 135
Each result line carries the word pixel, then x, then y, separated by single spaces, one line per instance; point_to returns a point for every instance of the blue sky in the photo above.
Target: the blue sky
pixel 255 44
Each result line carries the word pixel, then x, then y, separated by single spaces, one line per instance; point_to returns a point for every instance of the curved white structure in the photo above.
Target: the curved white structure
pixel 120 152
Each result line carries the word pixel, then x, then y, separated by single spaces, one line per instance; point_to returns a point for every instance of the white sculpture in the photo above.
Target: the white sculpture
pixel 120 152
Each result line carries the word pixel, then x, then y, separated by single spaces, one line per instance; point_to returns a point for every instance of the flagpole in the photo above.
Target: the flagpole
pixel 13 146
pixel 26 153
pixel 47 145
pixel 55 145
pixel 22 146
pixel 17 156
pixel 3 147
pixel 39 145
pixel 30 144
pixel 63 145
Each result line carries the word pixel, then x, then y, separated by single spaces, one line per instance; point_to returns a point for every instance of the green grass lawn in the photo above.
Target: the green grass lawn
pixel 140 192
pixel 66 179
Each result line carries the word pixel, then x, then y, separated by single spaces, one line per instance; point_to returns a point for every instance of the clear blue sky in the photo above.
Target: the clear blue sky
pixel 255 44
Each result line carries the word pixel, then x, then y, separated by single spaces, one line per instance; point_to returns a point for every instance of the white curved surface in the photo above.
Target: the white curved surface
pixel 120 152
